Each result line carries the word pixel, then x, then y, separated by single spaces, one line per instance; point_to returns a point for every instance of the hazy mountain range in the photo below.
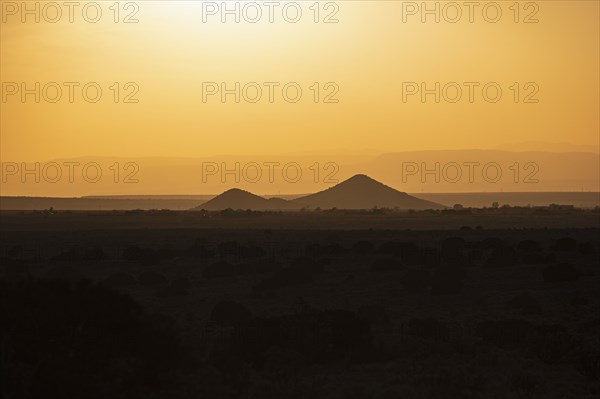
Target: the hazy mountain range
pixel 554 172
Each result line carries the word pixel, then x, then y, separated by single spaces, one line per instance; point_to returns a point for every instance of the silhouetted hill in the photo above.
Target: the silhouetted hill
pixel 240 199
pixel 362 192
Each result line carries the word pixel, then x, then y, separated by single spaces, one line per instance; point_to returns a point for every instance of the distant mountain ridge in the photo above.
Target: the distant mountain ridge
pixel 537 146
pixel 556 172
pixel 358 192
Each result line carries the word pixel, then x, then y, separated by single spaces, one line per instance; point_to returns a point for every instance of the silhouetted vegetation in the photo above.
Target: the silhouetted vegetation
pixel 150 278
pixel 285 277
pixel 526 304
pixel 66 341
pixel 560 272
pixel 318 336
pixel 387 265
pixel 465 313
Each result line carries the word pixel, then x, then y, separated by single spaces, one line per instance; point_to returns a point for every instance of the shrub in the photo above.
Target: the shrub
pixel 333 249
pixel 178 287
pixel 94 254
pixel 67 256
pixel 14 270
pixel 588 364
pixel 580 300
pixel 409 252
pixel 317 336
pixel 387 265
pixel 307 264
pixel 560 272
pixel 492 243
pixel 285 277
pixel 229 313
pixel 510 333
pixel 526 304
pixel 374 313
pixel 587 248
pixel 151 278
pixel 147 256
pixel 416 280
pixel 64 273
pixel 76 341
pixel 549 342
pixel 525 385
pixel 120 280
pixel 199 251
pixel 220 269
pixel 502 257
pixel 447 280
pixel 529 246
pixel 453 251
pixel 265 266
pixel 536 258
pixel 553 344
pixel 363 247
pixel 229 248
pixel 428 329
pixel 565 244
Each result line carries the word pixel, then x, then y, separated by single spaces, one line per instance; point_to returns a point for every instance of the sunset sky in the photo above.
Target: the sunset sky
pixel 368 55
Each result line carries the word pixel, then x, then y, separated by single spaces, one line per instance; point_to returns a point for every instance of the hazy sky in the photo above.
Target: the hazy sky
pixel 369 55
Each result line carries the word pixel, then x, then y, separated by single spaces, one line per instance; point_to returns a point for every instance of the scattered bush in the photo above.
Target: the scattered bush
pixel 529 246
pixel 64 273
pixel 94 254
pixel 285 277
pixel 387 265
pixel 588 364
pixel 363 247
pixel 536 258
pixel 502 255
pixel 587 248
pixel 147 256
pixel 199 251
pixel 317 336
pixel 510 333
pixel 565 244
pixel 67 256
pixel 453 251
pixel 307 264
pixel 409 252
pixel 580 300
pixel 549 342
pixel 120 280
pixel 14 270
pixel 428 329
pixel 178 287
pixel 265 266
pixel 151 278
pixel 447 280
pixel 492 243
pixel 231 248
pixel 560 272
pixel 526 304
pixel 80 341
pixel 229 313
pixel 416 280
pixel 553 344
pixel 525 385
pixel 220 269
pixel 375 314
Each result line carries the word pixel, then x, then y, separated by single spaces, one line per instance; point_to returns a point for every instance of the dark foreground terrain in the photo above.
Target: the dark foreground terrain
pixel 349 306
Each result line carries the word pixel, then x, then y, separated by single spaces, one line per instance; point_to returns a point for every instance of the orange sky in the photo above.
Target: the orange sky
pixel 368 55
